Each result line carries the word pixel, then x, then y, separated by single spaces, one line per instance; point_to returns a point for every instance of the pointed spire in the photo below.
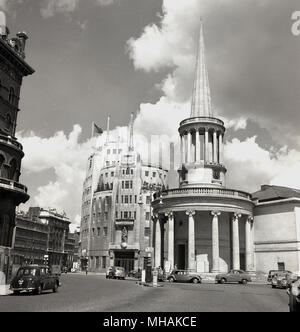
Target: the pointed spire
pixel 201 100
pixel 107 132
pixel 130 141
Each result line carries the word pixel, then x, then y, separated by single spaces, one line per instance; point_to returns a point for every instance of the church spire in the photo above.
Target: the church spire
pixel 201 100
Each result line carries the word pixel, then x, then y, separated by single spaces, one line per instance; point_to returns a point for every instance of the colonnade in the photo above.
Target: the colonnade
pixel 235 224
pixel 197 146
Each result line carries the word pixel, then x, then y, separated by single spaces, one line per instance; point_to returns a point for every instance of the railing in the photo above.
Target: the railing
pixel 10 141
pixel 202 119
pixel 206 191
pixel 9 184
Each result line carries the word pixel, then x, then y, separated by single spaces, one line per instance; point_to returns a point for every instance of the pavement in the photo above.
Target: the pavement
pixel 95 293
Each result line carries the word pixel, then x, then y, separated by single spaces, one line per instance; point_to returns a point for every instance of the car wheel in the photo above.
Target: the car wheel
pixel 244 281
pixel 171 279
pixel 55 288
pixel 222 281
pixel 38 291
pixel 273 286
pixel 195 281
pixel 16 292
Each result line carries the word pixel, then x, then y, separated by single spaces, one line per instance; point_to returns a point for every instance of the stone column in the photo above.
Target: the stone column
pixel 197 146
pixel 215 242
pixel 236 241
pixel 215 147
pixel 249 255
pixel 189 146
pixel 206 157
pixel 157 243
pixel 191 240
pixel 220 148
pixel 170 216
pixel 181 149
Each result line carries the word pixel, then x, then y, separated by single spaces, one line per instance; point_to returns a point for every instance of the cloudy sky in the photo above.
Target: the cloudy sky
pixel 95 58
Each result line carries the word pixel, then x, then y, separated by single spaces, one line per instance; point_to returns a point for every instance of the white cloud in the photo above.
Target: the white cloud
pixel 250 166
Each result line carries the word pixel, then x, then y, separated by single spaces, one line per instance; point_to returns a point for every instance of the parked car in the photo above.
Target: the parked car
pixel 34 278
pixel 135 274
pixel 184 276
pixel 115 272
pixel 239 276
pixel 294 295
pixel 281 279
pixel 272 273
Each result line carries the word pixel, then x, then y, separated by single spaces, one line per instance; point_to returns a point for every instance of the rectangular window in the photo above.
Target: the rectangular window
pixel 112 174
pixel 281 266
pixel 117 198
pixel 123 184
pixel 148 200
pixel 147 215
pixel 147 231
pixel 131 184
pixel 131 171
pixel 127 171
pixel 135 199
pixel 134 214
pixel 121 214
pixel 125 214
pixel 154 174
pixel 122 199
pixel 129 214
pixel 130 199
pixel 104 231
pixel 106 175
pixel 147 173
pixel 126 199
pixel 117 214
pixel 98 229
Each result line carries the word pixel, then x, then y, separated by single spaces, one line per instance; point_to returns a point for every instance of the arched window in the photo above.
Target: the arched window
pixel 8 121
pixel 13 168
pixel 11 95
pixel 2 159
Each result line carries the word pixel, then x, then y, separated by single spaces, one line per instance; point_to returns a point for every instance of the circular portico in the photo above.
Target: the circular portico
pixel 211 223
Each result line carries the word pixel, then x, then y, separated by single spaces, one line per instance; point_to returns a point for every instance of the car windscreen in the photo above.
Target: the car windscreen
pixel 28 272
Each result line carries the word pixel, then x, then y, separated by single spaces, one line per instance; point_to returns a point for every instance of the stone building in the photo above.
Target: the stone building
pixel 277 228
pixel 116 208
pixel 13 68
pixel 30 241
pixel 205 226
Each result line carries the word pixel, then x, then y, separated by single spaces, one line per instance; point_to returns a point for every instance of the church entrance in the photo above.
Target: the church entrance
pixel 181 257
pixel 125 259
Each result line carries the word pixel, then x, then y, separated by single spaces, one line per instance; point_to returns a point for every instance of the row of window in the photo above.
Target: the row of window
pixel 97 262
pixel 126 214
pixel 113 151
pixel 127 184
pixel 98 231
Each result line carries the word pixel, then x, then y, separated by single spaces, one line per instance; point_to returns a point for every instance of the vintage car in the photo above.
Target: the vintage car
pixel 34 278
pixel 135 274
pixel 272 273
pixel 281 279
pixel 239 276
pixel 294 296
pixel 184 276
pixel 115 272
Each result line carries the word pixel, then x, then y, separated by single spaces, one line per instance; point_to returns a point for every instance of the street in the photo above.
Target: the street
pixel 92 293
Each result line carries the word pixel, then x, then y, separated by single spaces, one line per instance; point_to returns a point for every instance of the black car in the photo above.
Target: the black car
pixel 34 278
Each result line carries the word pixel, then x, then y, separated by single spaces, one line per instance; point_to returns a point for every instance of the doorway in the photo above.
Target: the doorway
pixel 125 259
pixel 181 257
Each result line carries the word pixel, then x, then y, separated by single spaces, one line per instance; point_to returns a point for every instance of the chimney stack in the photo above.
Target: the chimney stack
pixel 22 36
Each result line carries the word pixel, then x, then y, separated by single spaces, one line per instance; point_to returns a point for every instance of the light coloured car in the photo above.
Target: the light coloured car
pixel 281 279
pixel 115 272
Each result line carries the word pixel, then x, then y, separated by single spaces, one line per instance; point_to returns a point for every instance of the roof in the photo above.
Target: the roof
pixel 273 193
